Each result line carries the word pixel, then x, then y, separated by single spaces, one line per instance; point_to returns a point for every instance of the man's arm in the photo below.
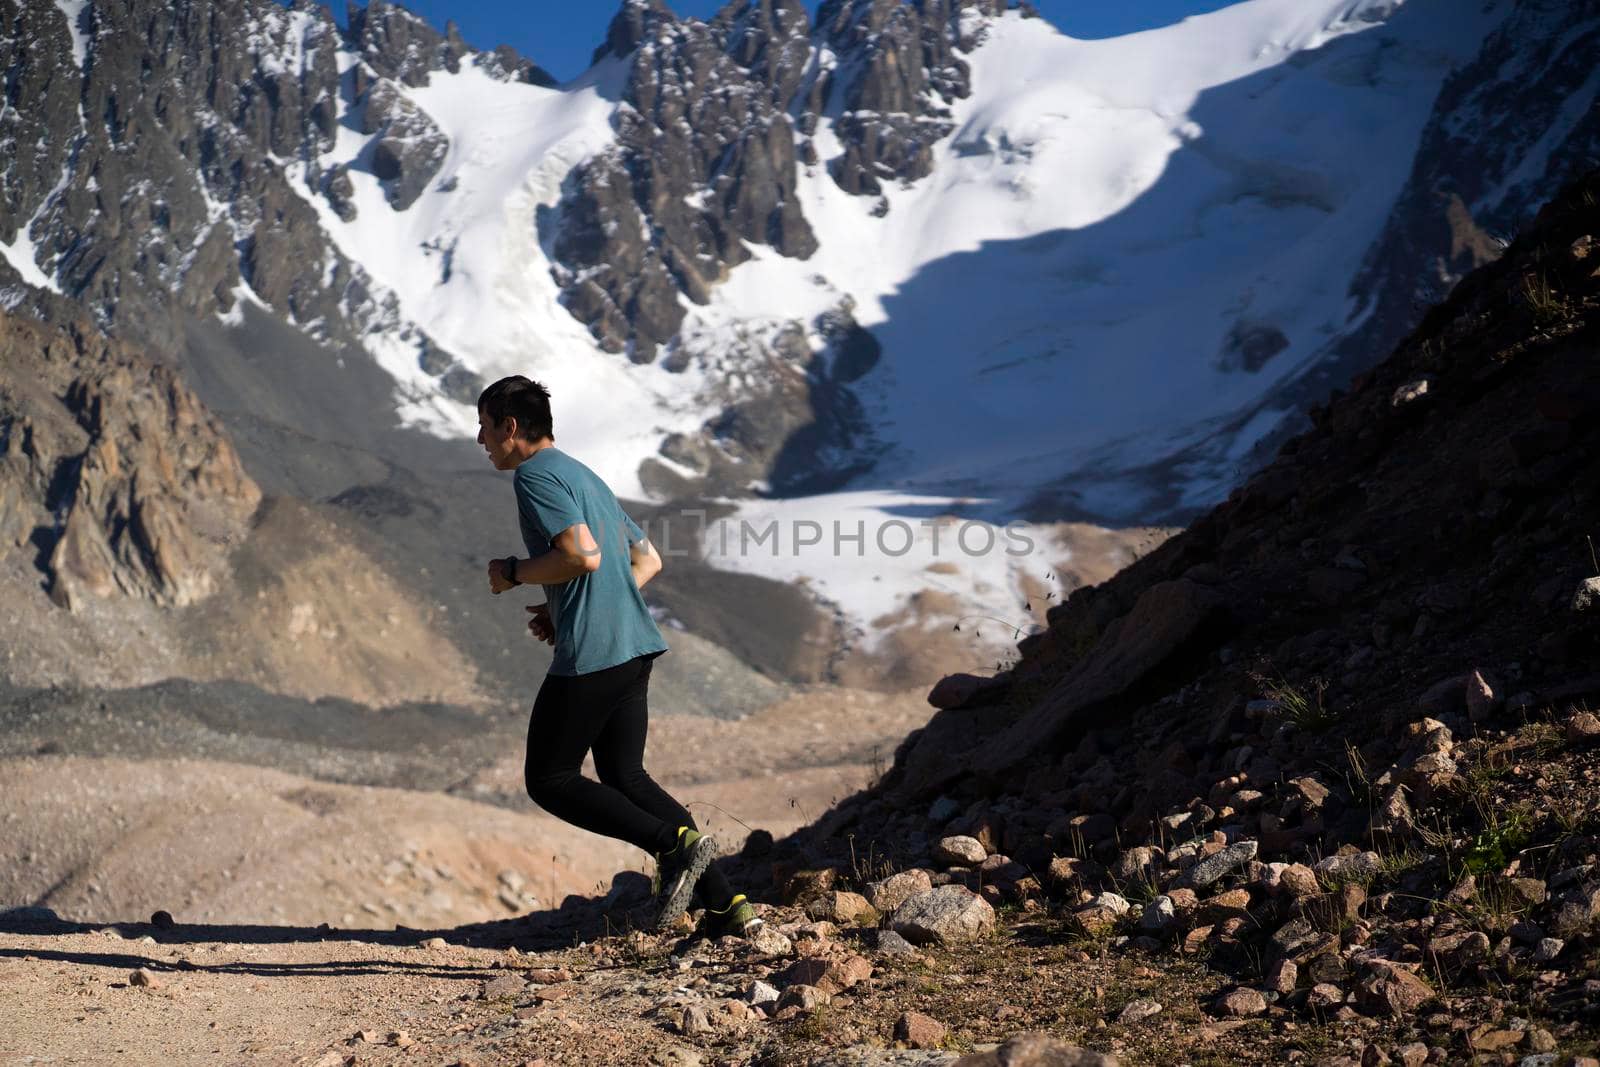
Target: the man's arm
pixel 573 553
pixel 645 562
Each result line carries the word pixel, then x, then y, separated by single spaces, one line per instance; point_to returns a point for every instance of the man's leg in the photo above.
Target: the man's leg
pixel 619 761
pixel 568 715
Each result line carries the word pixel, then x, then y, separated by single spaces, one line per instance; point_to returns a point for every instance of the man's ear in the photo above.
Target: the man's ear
pixel 508 426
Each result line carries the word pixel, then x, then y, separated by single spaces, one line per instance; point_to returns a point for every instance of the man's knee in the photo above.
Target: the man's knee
pixel 546 786
pixel 626 778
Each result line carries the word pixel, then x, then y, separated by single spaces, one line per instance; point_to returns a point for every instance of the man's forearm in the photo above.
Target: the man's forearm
pixel 643 571
pixel 551 568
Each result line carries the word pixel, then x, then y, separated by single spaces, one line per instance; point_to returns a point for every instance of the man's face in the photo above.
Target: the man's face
pixel 498 441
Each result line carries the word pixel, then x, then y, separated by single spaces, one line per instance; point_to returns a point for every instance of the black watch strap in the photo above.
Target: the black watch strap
pixel 509 567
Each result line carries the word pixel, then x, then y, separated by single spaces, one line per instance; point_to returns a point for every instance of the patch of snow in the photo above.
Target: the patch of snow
pixel 22 253
pixel 1108 211
pixel 242 295
pixel 73 10
pixel 23 257
pixel 868 552
pixel 499 311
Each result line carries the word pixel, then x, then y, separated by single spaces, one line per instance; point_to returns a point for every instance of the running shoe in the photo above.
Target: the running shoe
pixel 738 919
pixel 678 871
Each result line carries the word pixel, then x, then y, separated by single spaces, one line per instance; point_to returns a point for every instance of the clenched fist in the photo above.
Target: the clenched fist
pixel 499 581
pixel 539 624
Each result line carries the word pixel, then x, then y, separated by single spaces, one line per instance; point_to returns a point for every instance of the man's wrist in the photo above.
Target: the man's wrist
pixel 508 567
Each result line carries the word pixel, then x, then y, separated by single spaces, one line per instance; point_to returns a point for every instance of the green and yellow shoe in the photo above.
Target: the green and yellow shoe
pixel 738 919
pixel 678 871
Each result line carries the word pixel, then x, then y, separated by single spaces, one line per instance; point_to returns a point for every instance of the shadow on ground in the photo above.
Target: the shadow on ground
pixel 540 931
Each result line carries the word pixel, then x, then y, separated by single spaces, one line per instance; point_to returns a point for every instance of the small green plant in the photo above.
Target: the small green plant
pixel 1497 844
pixel 1306 708
pixel 1141 889
pixel 1356 778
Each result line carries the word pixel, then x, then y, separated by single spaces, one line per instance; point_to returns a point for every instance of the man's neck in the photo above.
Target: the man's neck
pixel 525 450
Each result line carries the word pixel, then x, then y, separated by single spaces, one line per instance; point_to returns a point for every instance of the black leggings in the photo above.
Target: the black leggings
pixel 606 712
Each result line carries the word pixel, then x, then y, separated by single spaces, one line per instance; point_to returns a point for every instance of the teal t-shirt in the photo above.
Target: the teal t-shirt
pixel 600 618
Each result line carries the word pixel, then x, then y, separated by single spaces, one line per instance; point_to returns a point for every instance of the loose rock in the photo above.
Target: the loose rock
pixel 960 851
pixel 1217 865
pixel 1139 1010
pixel 919 1031
pixel 948 914
pixel 1242 1002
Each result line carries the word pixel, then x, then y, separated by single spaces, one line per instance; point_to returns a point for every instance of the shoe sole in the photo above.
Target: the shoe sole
pixel 676 898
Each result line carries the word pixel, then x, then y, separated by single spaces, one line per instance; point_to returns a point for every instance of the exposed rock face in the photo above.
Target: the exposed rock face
pixel 706 155
pixel 157 187
pixel 896 107
pixel 410 148
pixel 399 45
pixel 116 476
pixel 704 160
pixel 780 411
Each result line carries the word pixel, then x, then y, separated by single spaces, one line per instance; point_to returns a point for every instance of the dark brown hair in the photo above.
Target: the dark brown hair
pixel 519 398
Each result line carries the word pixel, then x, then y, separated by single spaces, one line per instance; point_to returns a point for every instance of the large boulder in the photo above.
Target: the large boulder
pixel 410 148
pixel 947 915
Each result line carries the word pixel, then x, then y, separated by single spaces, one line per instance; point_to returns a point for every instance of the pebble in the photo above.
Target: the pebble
pixel 889 893
pixel 1281 977
pixel 694 1021
pixel 507 985
pixel 805 997
pixel 1139 1010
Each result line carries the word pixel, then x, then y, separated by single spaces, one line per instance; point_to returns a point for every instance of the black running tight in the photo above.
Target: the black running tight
pixel 605 712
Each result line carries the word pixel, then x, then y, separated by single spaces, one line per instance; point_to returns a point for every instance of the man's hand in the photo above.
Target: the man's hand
pixel 498 581
pixel 539 625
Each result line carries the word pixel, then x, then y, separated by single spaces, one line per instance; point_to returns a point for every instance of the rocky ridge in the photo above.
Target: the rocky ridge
pixel 706 150
pixel 112 471
pixel 1335 739
pixel 163 189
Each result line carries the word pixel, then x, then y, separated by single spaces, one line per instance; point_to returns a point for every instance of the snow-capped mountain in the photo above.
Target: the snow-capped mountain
pixel 930 254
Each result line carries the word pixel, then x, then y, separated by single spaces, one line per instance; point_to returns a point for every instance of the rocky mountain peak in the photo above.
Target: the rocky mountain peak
pixel 400 45
pixel 707 149
pixel 636 22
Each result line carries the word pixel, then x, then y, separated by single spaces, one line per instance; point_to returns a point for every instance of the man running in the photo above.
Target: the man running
pixel 592 561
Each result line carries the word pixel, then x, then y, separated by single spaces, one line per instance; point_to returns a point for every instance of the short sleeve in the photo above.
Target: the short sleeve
pixel 631 530
pixel 549 503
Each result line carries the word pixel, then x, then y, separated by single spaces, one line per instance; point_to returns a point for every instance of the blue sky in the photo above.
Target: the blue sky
pixel 562 36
